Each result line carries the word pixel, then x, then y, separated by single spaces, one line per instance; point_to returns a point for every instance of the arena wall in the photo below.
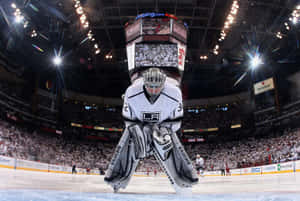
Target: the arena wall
pixel 18 164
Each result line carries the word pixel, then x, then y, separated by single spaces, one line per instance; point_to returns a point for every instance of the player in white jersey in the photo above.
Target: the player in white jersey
pixel 152 111
pixel 200 165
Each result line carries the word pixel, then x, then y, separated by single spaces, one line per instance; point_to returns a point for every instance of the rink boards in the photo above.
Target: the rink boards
pixel 18 164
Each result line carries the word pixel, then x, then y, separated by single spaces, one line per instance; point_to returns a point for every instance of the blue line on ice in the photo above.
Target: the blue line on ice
pixel 43 195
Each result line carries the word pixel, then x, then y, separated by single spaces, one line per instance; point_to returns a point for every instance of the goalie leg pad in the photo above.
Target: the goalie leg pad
pixel 123 163
pixel 176 163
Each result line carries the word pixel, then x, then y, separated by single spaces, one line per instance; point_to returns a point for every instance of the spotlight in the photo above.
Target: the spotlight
pixel 25 24
pixel 279 35
pixel 86 25
pixel 79 10
pixel 295 20
pixel 203 57
pixel 57 61
pixel 13 5
pixel 33 34
pixel 97 51
pixel 82 18
pixel 255 62
pixel 19 19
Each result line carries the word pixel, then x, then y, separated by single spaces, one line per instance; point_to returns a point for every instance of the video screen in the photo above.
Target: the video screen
pixel 160 55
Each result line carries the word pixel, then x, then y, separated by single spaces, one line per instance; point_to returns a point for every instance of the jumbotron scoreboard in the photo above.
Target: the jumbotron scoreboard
pixel 156 40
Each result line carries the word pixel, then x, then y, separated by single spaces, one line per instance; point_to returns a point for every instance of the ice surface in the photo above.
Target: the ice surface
pixel 19 185
pixel 41 195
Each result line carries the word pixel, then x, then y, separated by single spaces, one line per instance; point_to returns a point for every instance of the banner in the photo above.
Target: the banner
pixel 31 165
pixel 263 86
pixel 6 161
pixel 285 166
pixel 256 170
pixel 269 168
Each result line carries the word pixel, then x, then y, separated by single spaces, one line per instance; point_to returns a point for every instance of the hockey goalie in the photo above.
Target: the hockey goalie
pixel 152 111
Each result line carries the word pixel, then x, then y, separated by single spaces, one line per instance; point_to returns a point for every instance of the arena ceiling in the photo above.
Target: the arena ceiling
pixel 57 27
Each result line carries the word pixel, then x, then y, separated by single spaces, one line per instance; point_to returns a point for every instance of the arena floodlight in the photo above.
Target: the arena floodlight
pixel 57 61
pixel 255 62
pixel 295 20
pixel 19 19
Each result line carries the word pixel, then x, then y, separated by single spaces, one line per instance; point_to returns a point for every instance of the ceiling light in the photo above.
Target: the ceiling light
pixel 79 10
pixel 279 35
pixel 33 34
pixel 77 4
pixel 57 60
pixel 25 24
pixel 82 18
pixel 255 62
pixel 203 57
pixel 13 5
pixel 19 19
pixel 295 20
pixel 97 51
pixel 86 25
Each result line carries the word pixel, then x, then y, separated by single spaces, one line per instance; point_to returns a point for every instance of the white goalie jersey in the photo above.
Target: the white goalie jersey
pixel 166 108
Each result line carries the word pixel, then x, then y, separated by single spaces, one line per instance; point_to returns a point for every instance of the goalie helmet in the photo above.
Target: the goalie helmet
pixel 154 81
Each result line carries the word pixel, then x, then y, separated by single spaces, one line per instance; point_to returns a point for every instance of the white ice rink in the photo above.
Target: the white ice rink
pixel 27 185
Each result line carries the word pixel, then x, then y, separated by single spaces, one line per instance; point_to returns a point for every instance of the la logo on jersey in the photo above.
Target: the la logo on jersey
pixel 151 116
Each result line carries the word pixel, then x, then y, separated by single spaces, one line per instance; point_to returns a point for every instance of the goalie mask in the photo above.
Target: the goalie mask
pixel 154 81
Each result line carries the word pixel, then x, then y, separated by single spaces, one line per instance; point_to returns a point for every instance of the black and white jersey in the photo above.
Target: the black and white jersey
pixel 138 107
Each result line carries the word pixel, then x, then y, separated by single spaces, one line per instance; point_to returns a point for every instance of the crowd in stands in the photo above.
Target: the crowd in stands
pixel 250 151
pixel 19 143
pixel 36 146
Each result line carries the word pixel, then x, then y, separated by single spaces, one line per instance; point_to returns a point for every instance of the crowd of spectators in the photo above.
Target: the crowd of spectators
pixel 55 149
pixel 22 144
pixel 250 151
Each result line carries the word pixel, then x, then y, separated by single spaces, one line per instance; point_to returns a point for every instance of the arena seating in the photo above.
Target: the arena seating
pixel 20 143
